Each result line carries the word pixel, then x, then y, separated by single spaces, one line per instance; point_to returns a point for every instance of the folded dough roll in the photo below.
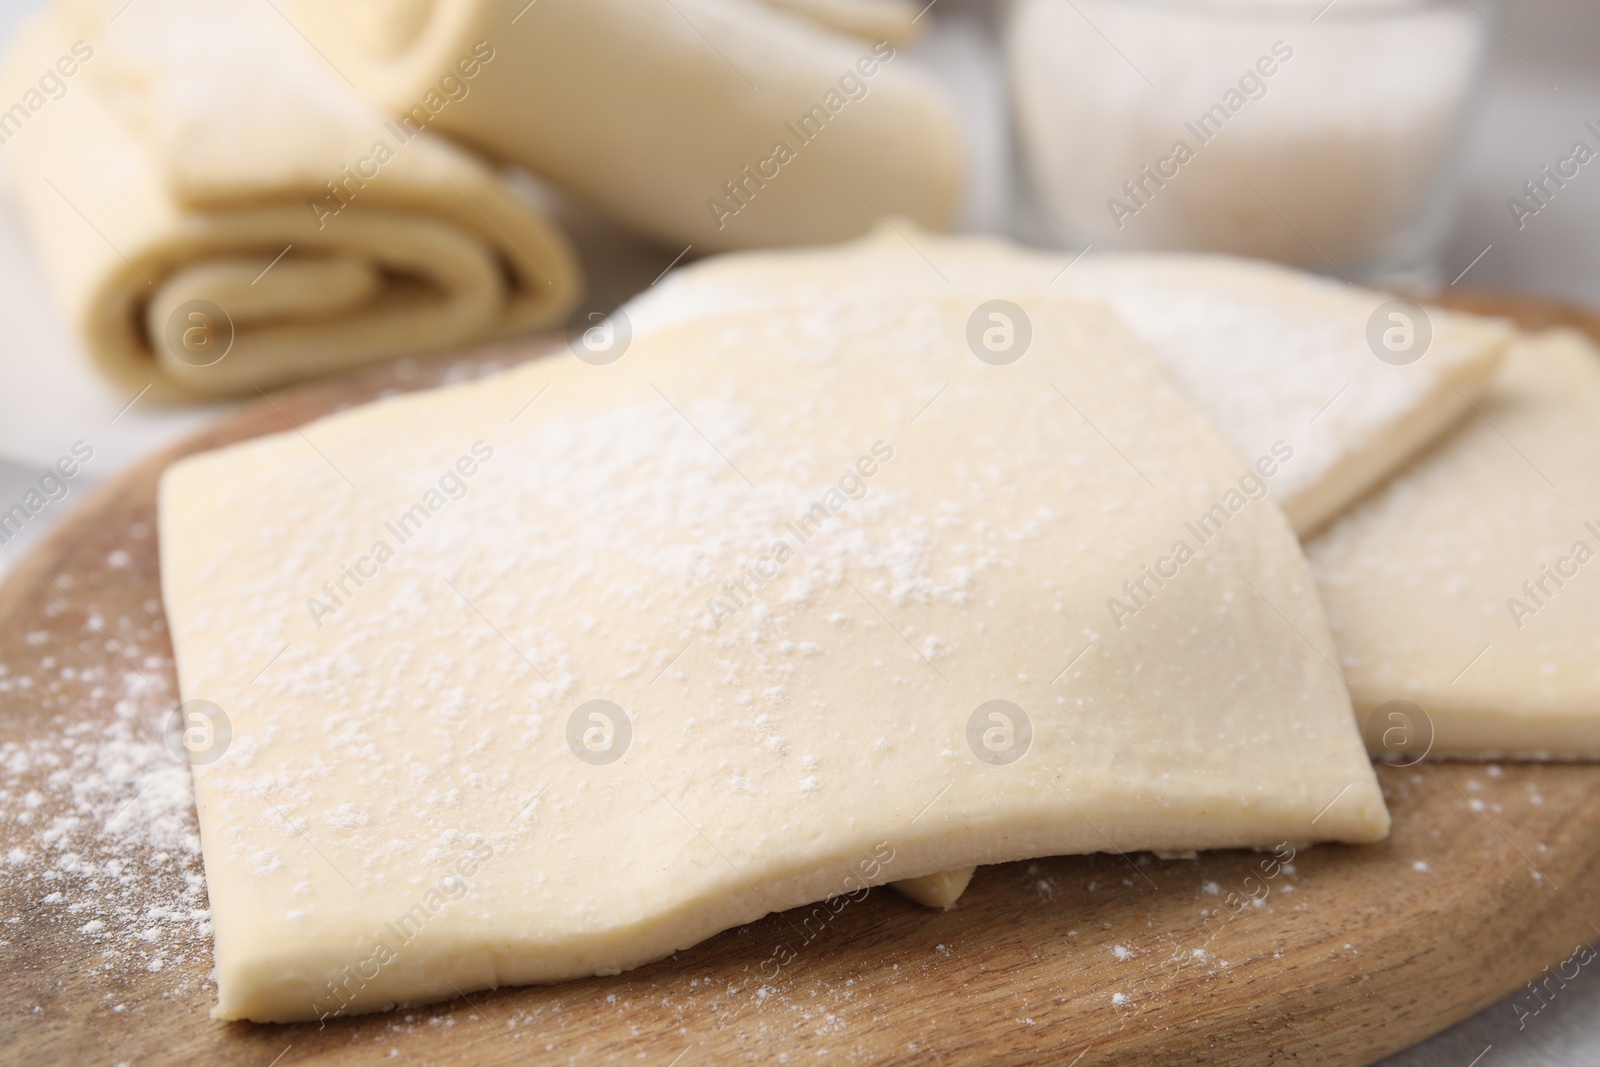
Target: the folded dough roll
pixel 217 212
pixel 725 123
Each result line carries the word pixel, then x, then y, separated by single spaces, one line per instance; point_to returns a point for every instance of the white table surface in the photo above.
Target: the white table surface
pixel 1543 84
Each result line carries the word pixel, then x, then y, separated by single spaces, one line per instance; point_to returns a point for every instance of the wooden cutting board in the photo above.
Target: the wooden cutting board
pixel 1491 876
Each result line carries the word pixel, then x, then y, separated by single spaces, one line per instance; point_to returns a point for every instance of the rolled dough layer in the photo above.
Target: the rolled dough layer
pixel 658 111
pixel 231 166
pixel 1270 353
pixel 415 800
pixel 1469 586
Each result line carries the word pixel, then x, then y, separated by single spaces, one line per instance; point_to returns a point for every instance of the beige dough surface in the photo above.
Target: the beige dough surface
pixel 652 110
pixel 1271 354
pixel 940 890
pixel 412 742
pixel 876 20
pixel 1469 585
pixel 182 163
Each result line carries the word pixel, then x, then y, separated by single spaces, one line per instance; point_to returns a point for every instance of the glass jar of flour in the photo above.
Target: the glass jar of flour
pixel 1320 134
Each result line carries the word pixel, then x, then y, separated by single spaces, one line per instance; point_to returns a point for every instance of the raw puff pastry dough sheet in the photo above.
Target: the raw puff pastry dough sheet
pixel 576 523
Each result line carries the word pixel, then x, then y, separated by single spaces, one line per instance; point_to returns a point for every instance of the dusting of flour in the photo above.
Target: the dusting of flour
pixel 98 817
